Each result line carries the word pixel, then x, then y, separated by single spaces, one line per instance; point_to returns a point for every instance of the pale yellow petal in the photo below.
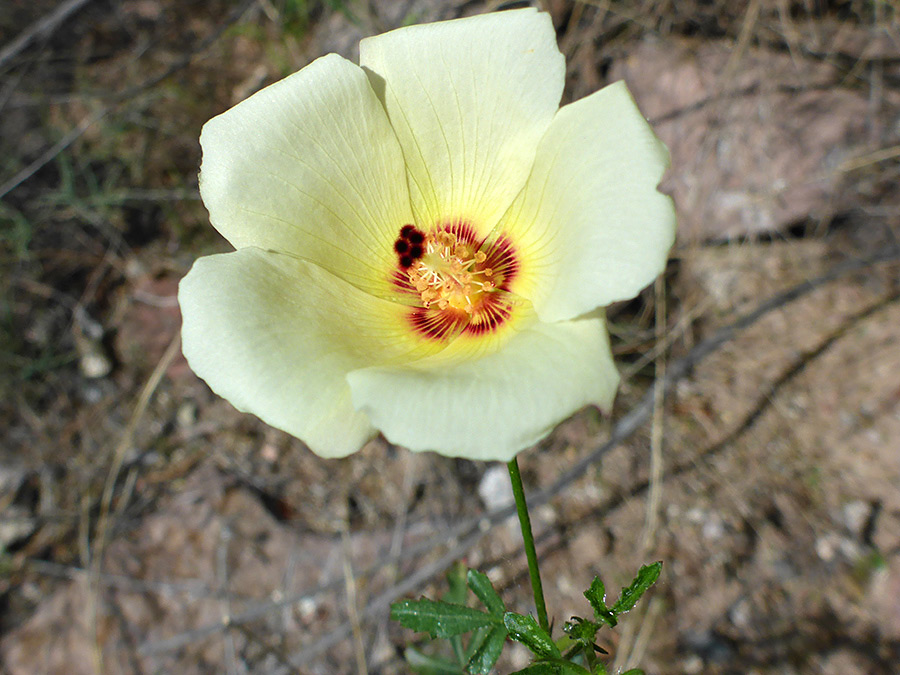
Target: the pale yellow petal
pixel 276 336
pixel 492 407
pixel 469 100
pixel 310 166
pixel 590 226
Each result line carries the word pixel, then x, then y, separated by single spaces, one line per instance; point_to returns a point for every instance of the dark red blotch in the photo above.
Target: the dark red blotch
pixel 409 245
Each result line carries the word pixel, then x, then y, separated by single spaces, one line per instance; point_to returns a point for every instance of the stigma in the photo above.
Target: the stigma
pixel 450 274
pixel 461 281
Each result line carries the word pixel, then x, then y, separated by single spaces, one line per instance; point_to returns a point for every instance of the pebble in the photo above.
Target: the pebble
pixel 94 364
pixel 855 515
pixel 692 665
pixel 16 523
pixel 713 528
pixel 495 489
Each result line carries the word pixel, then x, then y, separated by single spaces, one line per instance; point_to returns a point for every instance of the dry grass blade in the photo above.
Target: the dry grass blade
pixel 468 533
pixel 41 28
pixel 118 458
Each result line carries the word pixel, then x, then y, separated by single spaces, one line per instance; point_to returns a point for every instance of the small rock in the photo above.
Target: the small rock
pixel 713 528
pixel 855 515
pixel 15 523
pixel 692 665
pixel 307 608
pixel 94 364
pixel 695 515
pixel 186 416
pixel 827 547
pixel 269 453
pixel 739 614
pixel 495 489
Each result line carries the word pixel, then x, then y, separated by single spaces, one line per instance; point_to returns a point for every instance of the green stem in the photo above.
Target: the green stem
pixel 530 553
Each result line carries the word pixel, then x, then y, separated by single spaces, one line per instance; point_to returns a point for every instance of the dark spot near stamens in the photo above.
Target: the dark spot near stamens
pixel 416 252
pixel 416 237
pixel 401 246
pixel 407 230
pixel 405 261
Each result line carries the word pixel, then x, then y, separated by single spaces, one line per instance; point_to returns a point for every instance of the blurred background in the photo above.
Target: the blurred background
pixel 147 527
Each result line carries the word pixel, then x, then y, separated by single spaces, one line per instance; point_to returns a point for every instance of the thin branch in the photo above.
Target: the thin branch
pixel 41 28
pixel 47 156
pixel 50 153
pixel 470 531
pixel 479 526
pixel 118 459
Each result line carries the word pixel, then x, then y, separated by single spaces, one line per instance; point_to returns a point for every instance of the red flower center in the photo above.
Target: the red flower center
pixel 461 283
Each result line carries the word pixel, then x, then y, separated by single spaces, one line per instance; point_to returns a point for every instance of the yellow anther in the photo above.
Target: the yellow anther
pixel 448 274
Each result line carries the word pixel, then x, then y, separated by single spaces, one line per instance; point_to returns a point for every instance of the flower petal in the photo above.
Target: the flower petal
pixel 590 225
pixel 310 166
pixel 276 336
pixel 491 408
pixel 469 100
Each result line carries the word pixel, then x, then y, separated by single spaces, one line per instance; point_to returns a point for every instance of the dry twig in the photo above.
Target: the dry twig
pixel 468 533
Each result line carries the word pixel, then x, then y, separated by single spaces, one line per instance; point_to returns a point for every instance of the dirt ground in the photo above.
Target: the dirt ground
pixel 147 527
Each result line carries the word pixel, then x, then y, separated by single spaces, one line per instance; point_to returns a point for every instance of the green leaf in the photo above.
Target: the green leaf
pixel 456 579
pixel 567 666
pixel 484 658
pixel 478 637
pixel 634 671
pixel 646 577
pixel 430 665
pixel 526 630
pixel 484 590
pixel 581 629
pixel 439 619
pixel 553 667
pixel 596 595
pixel 538 668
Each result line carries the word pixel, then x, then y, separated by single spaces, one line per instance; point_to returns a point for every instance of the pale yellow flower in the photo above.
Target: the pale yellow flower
pixel 424 242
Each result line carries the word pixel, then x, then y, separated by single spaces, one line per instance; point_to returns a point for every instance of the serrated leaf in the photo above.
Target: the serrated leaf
pixel 525 629
pixel 484 590
pixel 487 653
pixel 430 665
pixel 646 577
pixel 596 595
pixel 581 629
pixel 439 619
